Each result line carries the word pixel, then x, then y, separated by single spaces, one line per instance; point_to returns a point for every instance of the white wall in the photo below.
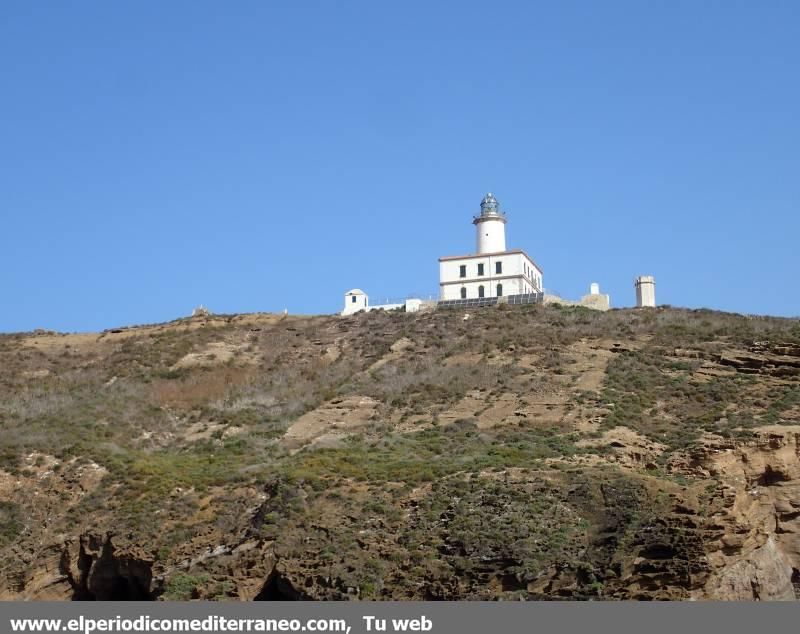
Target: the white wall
pixel 357 300
pixel 511 286
pixel 490 236
pixel 519 275
pixel 353 302
pixel 385 306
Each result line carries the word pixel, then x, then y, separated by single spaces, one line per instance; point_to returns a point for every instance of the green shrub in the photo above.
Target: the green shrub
pixel 182 587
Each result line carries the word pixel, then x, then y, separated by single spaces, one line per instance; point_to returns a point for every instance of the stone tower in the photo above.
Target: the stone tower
pixel 645 291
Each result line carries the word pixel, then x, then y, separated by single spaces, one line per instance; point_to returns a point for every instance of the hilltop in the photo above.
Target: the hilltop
pixel 511 452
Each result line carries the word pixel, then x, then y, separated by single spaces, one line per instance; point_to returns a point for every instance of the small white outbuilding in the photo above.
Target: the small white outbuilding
pixel 355 300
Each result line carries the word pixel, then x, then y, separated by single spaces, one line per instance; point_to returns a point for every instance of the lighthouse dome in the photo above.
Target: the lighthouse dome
pixel 489 205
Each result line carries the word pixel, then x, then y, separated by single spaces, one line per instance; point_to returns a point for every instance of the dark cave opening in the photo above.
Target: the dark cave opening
pixel 119 589
pixel 276 588
pixel 659 551
pixel 771 478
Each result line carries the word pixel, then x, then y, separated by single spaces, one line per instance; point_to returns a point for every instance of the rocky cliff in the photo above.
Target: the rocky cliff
pixel 510 453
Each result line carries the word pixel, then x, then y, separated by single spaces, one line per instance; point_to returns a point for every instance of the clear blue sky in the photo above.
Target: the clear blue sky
pixel 253 156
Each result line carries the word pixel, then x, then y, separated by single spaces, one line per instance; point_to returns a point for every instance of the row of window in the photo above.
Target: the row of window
pixel 531 274
pixel 529 271
pixel 498 269
pixel 481 291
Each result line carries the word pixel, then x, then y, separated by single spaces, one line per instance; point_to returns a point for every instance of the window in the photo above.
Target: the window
pixel 499 290
pixel 462 270
pixel 480 269
pixel 480 291
pixel 498 267
pixel 354 299
pixel 463 292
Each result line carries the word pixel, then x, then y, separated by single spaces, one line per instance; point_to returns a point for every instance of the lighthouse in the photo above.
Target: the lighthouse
pixel 490 226
pixel 492 271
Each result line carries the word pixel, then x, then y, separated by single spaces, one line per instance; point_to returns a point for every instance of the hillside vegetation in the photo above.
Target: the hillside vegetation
pixel 507 453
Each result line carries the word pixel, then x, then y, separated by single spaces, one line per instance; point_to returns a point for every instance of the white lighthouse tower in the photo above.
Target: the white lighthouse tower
pixel 490 226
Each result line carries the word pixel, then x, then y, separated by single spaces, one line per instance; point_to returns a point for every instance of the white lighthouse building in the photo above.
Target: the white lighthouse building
pixel 493 271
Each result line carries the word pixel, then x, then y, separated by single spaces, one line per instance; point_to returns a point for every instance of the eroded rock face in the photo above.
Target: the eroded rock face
pixel 779 360
pixel 730 534
pixel 754 529
pixel 97 570
pixel 43 578
pixel 765 574
pixel 90 568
